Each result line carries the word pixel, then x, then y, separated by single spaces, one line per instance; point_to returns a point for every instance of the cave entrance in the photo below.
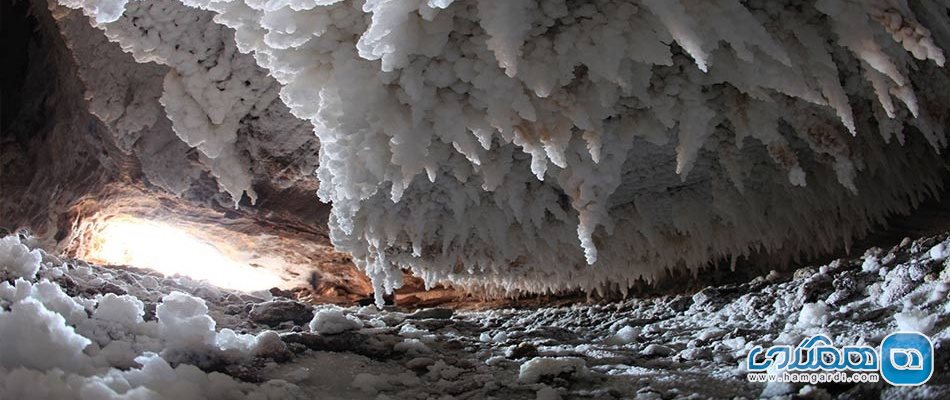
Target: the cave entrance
pixel 173 250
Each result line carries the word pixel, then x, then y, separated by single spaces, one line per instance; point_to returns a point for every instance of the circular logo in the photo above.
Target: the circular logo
pixel 907 358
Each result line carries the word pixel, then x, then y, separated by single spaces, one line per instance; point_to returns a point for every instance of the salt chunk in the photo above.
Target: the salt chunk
pixel 625 335
pixel 331 321
pixel 871 264
pixel 124 309
pixel 35 337
pixel 17 260
pixel 813 314
pixel 533 370
pixel 915 321
pixel 939 252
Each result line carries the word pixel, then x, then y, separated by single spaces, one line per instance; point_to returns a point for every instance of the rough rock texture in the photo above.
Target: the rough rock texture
pixel 663 347
pixel 273 313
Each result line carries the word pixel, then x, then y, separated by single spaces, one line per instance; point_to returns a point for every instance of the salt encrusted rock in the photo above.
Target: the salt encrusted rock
pixel 706 296
pixel 845 288
pixel 542 368
pixel 815 288
pixel 332 321
pixel 695 353
pixel 656 350
pixel 521 350
pixel 899 281
pixel 270 345
pixel 680 303
pixel 275 312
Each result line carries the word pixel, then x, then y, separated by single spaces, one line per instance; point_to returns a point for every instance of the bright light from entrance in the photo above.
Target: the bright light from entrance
pixel 170 251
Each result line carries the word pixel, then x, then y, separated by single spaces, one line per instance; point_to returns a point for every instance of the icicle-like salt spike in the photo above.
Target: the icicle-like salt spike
pixel 822 67
pixel 694 128
pixel 882 89
pixel 675 18
pixel 502 21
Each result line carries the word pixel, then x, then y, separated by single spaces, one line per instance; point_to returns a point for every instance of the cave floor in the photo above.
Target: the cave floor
pixel 672 346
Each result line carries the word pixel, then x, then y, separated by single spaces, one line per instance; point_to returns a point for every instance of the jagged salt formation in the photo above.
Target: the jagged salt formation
pixel 544 145
pixel 207 90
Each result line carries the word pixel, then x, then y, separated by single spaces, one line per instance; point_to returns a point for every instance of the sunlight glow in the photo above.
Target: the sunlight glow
pixel 170 250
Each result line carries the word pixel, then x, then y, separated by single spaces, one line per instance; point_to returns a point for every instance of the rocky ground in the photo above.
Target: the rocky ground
pixel 136 334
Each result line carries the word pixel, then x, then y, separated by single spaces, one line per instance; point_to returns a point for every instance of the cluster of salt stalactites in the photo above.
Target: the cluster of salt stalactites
pixel 510 144
pixel 191 90
pixel 209 90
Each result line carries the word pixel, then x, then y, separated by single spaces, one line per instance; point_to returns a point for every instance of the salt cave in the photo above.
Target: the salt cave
pixel 469 198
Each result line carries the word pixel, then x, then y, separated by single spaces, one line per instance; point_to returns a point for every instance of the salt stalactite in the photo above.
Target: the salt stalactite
pixel 550 135
pixel 210 88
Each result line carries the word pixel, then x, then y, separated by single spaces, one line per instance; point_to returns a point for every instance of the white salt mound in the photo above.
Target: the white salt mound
pixel 124 309
pixel 35 337
pixel 52 348
pixel 625 335
pixel 939 252
pixel 332 321
pixel 871 264
pixel 533 370
pixel 813 314
pixel 915 321
pixel 184 323
pixel 17 260
pixel 656 350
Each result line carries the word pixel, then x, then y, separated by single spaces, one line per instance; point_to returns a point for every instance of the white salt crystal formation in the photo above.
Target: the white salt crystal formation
pixel 531 145
pixel 57 346
pixel 331 321
pixel 17 260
